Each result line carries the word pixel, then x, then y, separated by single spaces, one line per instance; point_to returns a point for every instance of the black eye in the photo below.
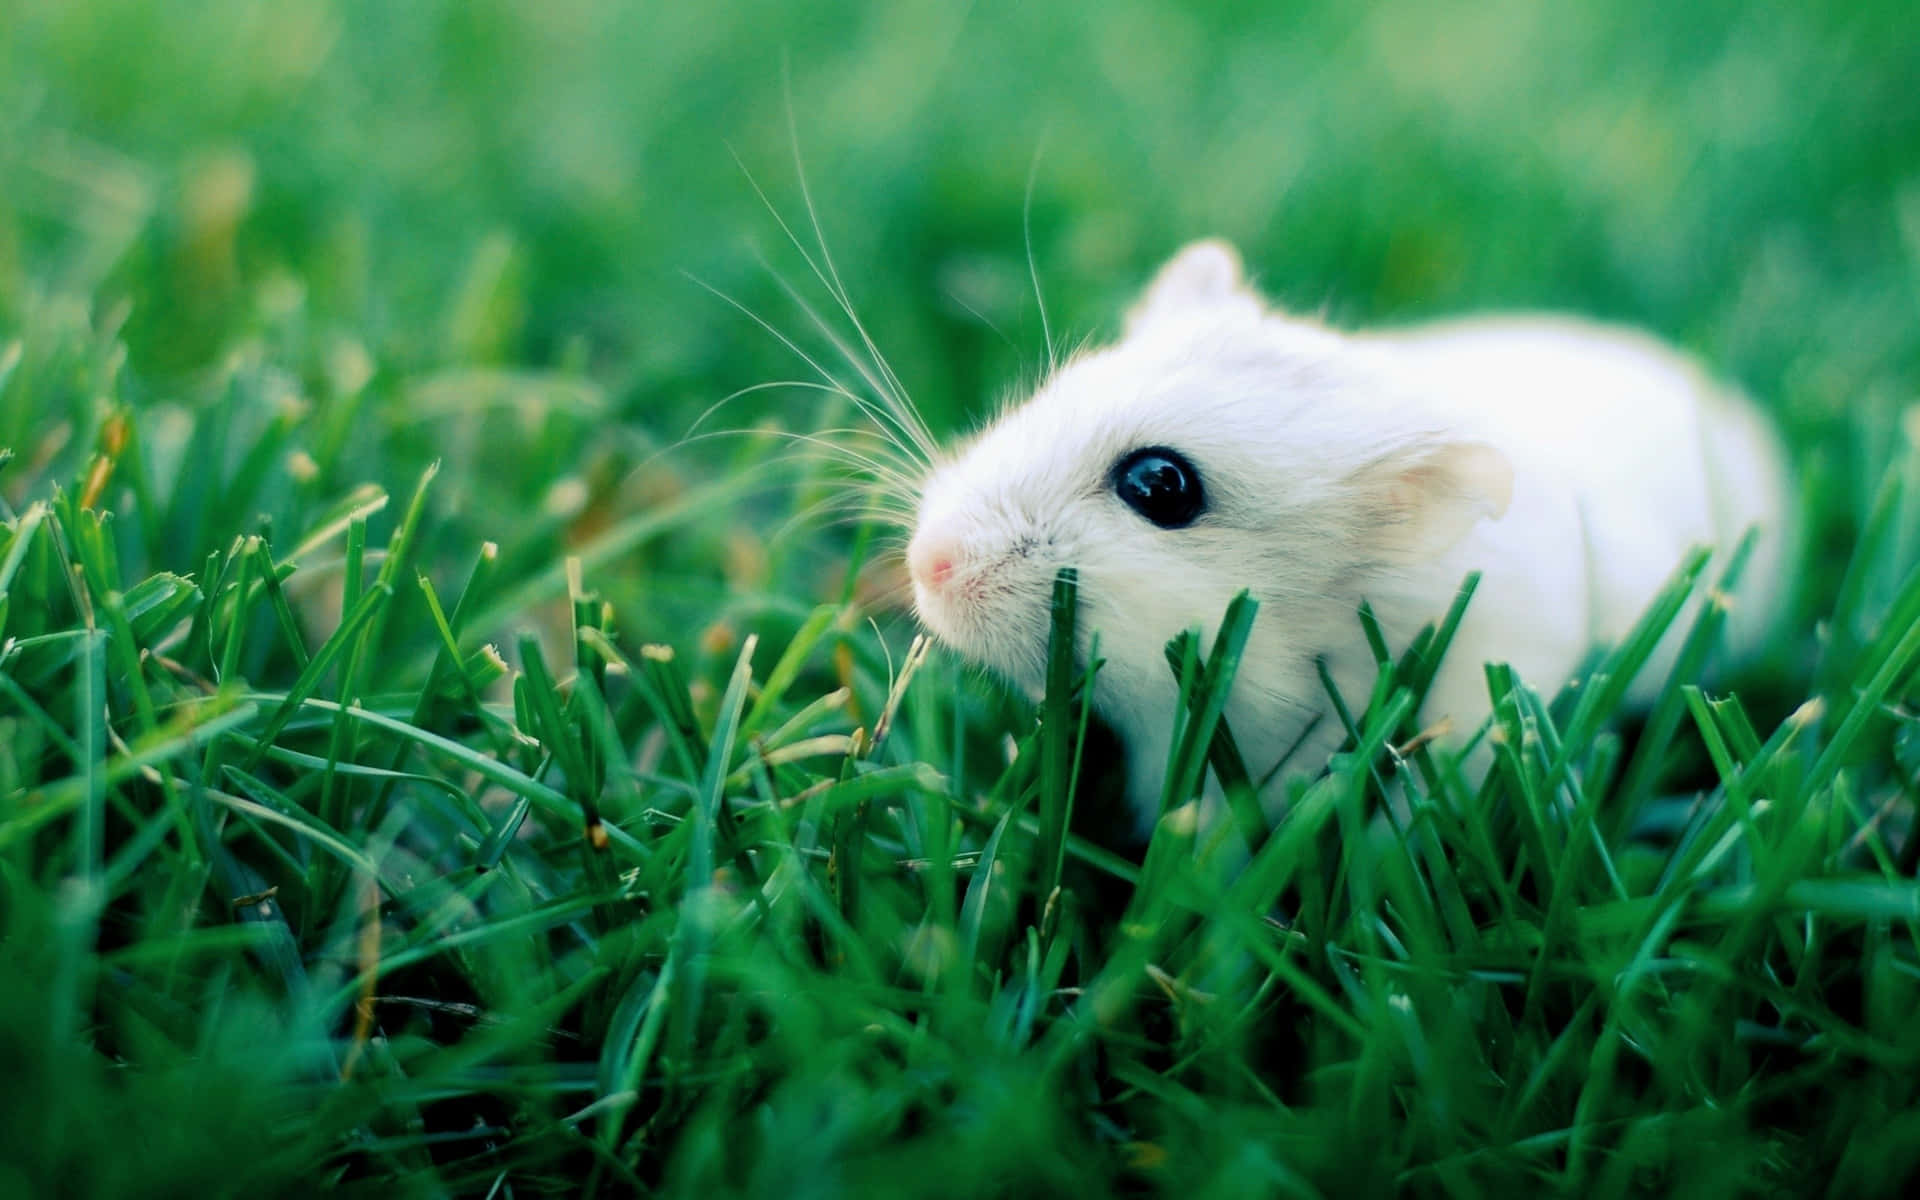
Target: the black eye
pixel 1159 485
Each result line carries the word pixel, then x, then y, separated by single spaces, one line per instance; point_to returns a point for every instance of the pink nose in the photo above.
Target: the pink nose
pixel 930 562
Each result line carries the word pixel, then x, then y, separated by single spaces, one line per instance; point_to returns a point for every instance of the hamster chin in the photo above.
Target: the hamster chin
pixel 1218 446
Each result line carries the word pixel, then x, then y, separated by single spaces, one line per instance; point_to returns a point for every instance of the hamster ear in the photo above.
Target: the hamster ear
pixel 1201 275
pixel 1425 505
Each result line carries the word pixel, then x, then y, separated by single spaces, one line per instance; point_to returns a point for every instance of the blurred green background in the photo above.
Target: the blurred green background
pixel 365 236
pixel 333 189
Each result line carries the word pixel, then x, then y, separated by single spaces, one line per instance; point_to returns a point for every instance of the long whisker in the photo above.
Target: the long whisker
pixel 769 385
pixel 836 286
pixel 865 405
pixel 898 483
pixel 902 417
pixel 827 272
pixel 1033 271
pixel 983 318
pixel 888 466
pixel 922 441
pixel 845 510
pixel 763 323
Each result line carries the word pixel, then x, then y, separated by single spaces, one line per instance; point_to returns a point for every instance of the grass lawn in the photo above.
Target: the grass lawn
pixel 427 770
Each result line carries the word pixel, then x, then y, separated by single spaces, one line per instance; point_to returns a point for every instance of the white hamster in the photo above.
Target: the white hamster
pixel 1221 445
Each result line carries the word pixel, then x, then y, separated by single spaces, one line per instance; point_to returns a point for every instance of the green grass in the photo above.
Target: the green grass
pixel 424 772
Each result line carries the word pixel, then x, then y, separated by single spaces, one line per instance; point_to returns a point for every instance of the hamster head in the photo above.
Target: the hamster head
pixel 1217 446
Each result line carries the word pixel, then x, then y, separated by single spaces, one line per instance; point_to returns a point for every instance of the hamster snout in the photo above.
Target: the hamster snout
pixel 962 590
pixel 939 598
pixel 930 562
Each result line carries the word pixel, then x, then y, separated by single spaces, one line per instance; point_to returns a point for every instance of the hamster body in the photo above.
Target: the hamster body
pixel 1219 445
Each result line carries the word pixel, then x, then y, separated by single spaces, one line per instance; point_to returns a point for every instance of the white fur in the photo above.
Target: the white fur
pixel 1573 465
